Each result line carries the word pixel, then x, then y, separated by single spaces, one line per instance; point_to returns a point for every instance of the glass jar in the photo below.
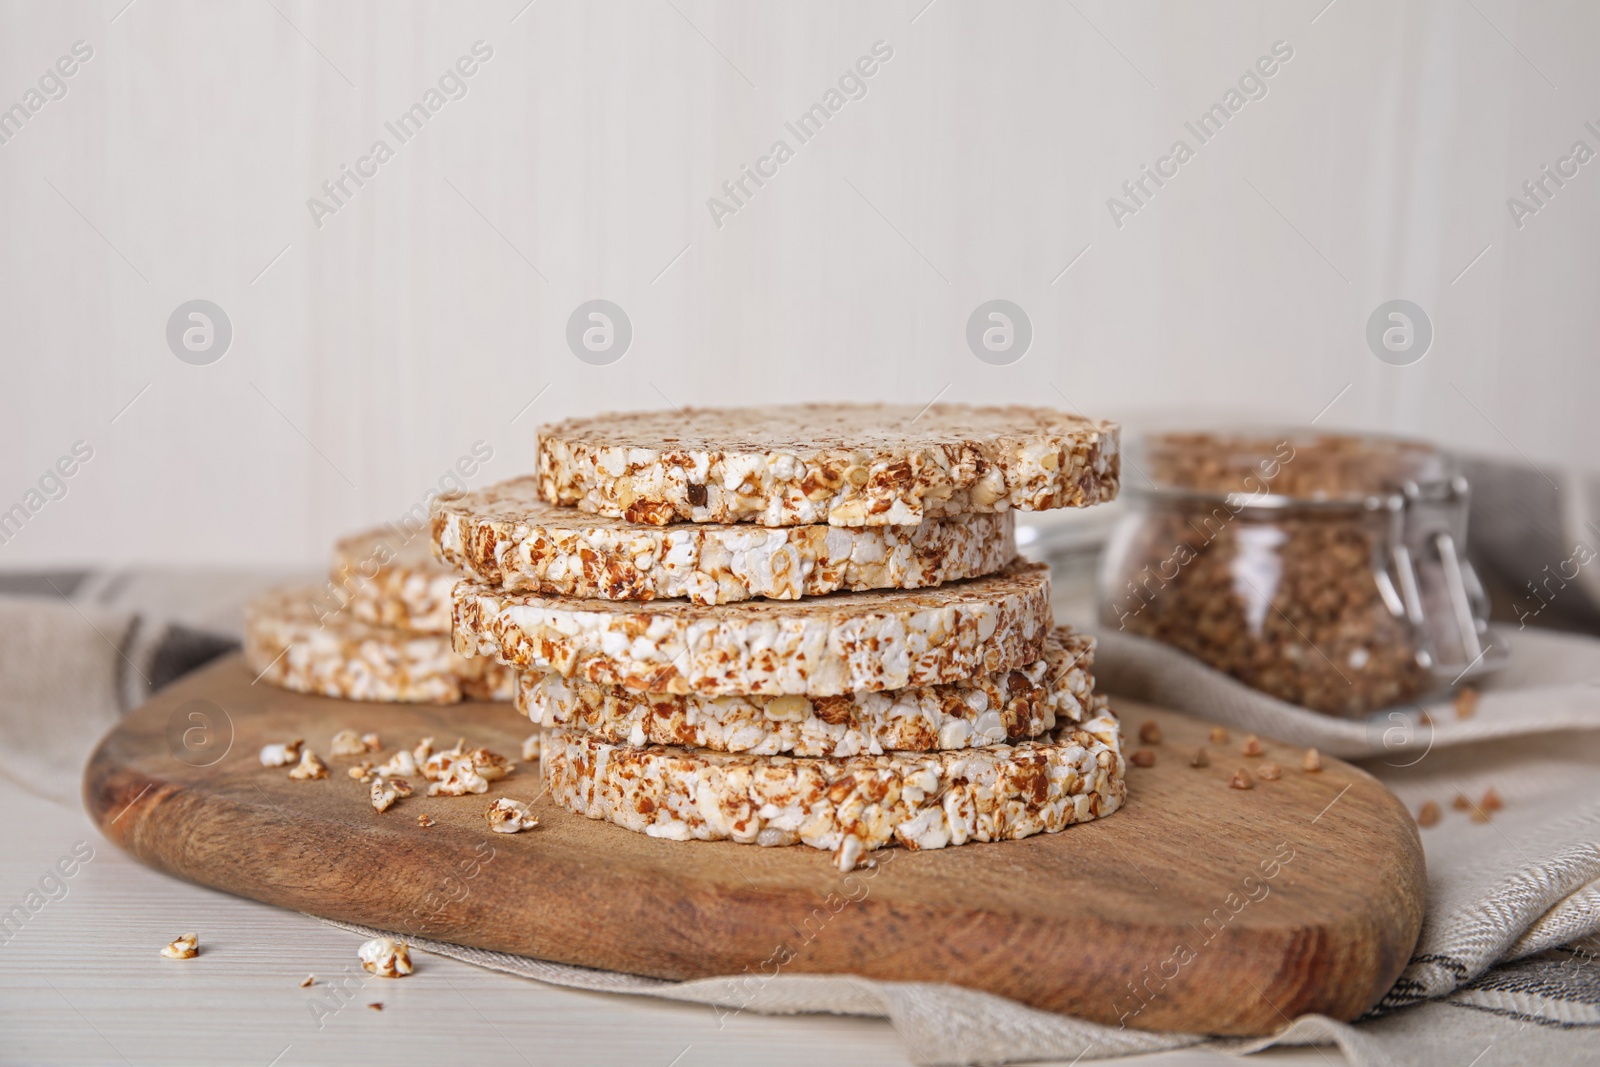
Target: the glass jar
pixel 1324 569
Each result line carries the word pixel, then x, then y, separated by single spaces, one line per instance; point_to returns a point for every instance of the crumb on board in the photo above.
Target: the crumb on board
pixel 309 767
pixel 281 753
pixel 386 792
pixel 507 816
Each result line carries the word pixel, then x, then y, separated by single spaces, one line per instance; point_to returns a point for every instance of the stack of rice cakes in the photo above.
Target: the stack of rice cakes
pixel 796 625
pixel 378 629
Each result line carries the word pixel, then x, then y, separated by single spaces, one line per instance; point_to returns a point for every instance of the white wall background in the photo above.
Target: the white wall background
pixel 423 316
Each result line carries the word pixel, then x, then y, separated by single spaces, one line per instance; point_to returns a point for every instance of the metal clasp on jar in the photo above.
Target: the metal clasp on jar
pixel 1427 530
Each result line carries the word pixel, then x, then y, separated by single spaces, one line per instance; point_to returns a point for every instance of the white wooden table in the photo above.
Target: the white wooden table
pixel 83 982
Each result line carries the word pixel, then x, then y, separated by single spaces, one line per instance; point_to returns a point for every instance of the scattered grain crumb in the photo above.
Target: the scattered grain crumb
pixel 362 771
pixel 1478 814
pixel 1219 736
pixel 1466 702
pixel 1143 758
pixel 346 743
pixel 459 778
pixel 307 980
pixel 386 791
pixel 376 1005
pixel 1200 758
pixel 1311 762
pixel 1461 803
pixel 371 742
pixel 385 958
pixel 507 816
pixel 424 819
pixel 402 763
pixel 282 754
pixel 1269 772
pixel 1429 814
pixel 442 766
pixel 310 766
pixel 1252 746
pixel 1491 800
pixel 848 854
pixel 530 748
pixel 1241 780
pixel 1425 719
pixel 186 947
pixel 1150 732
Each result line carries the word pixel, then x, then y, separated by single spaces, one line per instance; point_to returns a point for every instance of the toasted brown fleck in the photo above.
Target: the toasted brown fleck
pixel 1461 803
pixel 1252 746
pixel 1491 800
pixel 1429 814
pixel 1311 762
pixel 1200 758
pixel 1269 772
pixel 305 982
pixel 376 1005
pixel 1241 780
pixel 1143 758
pixel 1150 732
pixel 1219 736
pixel 1466 703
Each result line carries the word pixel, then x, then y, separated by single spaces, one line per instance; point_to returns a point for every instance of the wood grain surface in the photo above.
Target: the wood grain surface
pixel 1197 907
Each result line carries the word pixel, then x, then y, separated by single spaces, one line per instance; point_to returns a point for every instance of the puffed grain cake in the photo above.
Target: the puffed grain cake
pixel 850 806
pixel 295 639
pixel 392 579
pixel 507 537
pixel 983 710
pixel 819 646
pixel 841 464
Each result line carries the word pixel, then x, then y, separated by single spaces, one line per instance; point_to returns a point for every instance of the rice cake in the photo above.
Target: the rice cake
pixel 819 646
pixel 850 806
pixel 507 537
pixel 842 464
pixel 973 713
pixel 392 579
pixel 293 639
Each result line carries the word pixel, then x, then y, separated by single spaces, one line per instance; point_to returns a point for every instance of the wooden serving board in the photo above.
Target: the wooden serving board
pixel 1197 907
